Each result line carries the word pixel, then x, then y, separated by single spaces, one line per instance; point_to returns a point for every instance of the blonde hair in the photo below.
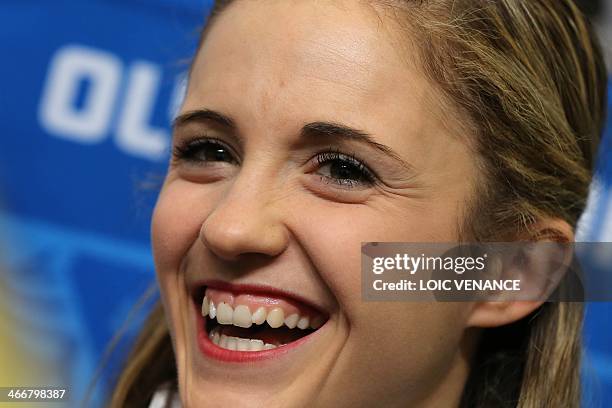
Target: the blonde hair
pixel 530 77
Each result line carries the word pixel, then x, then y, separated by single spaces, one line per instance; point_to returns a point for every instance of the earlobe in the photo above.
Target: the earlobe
pixel 494 314
pixel 540 272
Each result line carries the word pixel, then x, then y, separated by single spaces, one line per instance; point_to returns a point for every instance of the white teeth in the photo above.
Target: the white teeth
pixel 223 341
pixel 205 307
pixel 212 310
pixel 256 345
pixel 239 344
pixel 259 316
pixel 232 343
pixel 291 321
pixel 242 317
pixel 243 344
pixel 225 313
pixel 276 317
pixel 303 323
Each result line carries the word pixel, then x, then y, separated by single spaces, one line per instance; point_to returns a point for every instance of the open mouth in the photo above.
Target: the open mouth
pixel 249 322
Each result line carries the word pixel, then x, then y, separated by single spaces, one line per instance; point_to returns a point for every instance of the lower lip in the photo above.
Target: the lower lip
pixel 210 349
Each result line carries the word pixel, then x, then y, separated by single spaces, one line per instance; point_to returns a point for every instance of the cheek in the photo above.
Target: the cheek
pixel 409 347
pixel 333 237
pixel 424 333
pixel 400 337
pixel 175 227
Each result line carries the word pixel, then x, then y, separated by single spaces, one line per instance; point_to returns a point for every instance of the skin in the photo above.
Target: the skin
pixel 273 218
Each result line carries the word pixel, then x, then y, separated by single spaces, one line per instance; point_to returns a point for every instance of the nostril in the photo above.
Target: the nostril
pixel 245 230
pixel 227 244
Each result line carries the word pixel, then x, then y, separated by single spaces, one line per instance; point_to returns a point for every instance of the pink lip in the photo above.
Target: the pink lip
pixel 256 290
pixel 211 350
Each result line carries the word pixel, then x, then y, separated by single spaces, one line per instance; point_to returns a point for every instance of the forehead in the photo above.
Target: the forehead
pixel 279 64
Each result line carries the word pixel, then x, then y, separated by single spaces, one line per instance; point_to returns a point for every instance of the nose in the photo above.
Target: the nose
pixel 248 220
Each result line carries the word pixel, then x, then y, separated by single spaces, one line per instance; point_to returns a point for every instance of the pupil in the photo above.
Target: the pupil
pixel 344 171
pixel 217 154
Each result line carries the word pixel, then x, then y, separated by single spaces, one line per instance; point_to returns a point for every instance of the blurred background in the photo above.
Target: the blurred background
pixel 87 93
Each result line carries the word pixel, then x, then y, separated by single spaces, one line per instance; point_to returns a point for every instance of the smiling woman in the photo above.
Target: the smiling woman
pixel 312 126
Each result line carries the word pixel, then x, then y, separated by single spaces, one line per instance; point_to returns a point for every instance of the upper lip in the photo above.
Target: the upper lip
pixel 253 288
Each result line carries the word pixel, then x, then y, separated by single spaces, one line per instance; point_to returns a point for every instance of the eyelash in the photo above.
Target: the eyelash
pixel 366 176
pixel 188 152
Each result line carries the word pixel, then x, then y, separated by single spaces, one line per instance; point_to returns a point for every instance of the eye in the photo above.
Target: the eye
pixel 204 151
pixel 344 170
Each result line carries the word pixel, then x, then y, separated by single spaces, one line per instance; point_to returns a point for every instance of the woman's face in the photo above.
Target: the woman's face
pixel 306 130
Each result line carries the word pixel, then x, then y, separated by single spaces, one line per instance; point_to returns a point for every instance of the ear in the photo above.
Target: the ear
pixel 494 314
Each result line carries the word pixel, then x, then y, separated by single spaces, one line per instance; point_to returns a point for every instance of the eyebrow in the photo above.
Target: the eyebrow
pixel 204 115
pixel 310 130
pixel 339 131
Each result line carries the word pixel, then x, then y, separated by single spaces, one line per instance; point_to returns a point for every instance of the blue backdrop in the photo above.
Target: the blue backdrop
pixel 87 90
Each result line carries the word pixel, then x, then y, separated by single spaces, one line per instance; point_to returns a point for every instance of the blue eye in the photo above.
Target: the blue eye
pixel 202 151
pixel 344 170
